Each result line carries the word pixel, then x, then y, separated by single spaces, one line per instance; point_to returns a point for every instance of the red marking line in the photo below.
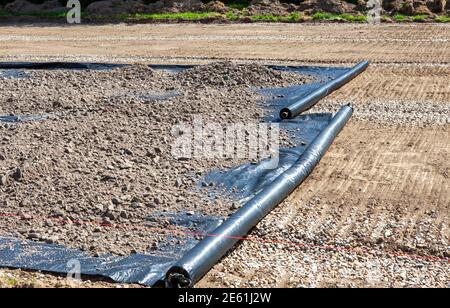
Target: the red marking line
pixel 255 239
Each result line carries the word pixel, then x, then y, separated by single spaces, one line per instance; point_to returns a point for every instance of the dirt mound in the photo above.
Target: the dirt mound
pixel 230 74
pixel 415 7
pixel 269 7
pixel 116 7
pixel 176 6
pixel 331 6
pixel 437 6
pixel 216 6
pixel 407 7
pixel 135 71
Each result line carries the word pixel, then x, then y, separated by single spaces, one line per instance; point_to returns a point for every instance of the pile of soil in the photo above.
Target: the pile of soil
pixel 391 7
pixel 416 7
pixel 229 74
pixel 116 7
pixel 270 7
pixel 104 155
pixel 177 6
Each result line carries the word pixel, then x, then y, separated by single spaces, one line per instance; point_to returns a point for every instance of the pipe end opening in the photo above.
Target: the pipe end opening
pixel 177 277
pixel 285 113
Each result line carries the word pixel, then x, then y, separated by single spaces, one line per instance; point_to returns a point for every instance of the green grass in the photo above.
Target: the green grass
pixel 442 19
pixel 419 18
pixel 272 18
pixel 400 18
pixel 353 18
pixel 294 17
pixel 231 16
pixel 177 16
pixel 322 16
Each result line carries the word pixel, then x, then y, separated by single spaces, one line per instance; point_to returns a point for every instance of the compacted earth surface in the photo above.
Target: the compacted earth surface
pixel 374 212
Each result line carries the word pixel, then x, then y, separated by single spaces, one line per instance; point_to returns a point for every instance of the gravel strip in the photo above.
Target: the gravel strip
pixel 394 112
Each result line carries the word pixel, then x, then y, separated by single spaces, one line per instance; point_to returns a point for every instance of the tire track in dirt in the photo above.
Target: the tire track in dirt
pixel 400 84
pixel 413 186
pixel 219 38
pixel 318 210
pixel 329 43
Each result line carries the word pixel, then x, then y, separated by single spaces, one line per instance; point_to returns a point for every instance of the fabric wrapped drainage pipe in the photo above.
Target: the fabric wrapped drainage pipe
pixel 310 100
pixel 198 261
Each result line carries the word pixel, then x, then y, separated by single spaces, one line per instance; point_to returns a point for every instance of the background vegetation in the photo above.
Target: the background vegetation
pixel 237 16
pixel 239 4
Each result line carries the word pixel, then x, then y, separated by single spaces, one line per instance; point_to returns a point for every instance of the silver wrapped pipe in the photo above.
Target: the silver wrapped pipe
pixel 199 260
pixel 310 100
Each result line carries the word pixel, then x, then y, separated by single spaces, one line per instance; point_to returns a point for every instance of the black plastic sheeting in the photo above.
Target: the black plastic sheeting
pixel 57 65
pixel 198 261
pixel 311 99
pixel 144 269
pixel 245 181
pixel 16 66
pixel 151 269
pixel 13 73
pixel 12 119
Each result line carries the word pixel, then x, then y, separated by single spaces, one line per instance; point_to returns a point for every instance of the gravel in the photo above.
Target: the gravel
pixel 104 155
pixel 391 113
pixel 229 74
pixel 305 253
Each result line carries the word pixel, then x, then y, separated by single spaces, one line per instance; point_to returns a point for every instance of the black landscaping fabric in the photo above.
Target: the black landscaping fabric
pixel 249 179
pixel 137 268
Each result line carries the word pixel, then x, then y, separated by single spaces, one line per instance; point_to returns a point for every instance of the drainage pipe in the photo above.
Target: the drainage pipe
pixel 310 100
pixel 198 261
